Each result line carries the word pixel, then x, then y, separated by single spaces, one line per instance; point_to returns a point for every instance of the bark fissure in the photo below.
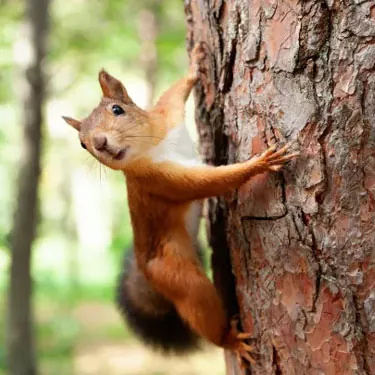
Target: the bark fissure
pixel 229 53
pixel 318 274
pixel 276 362
pixel 363 346
pixel 265 218
pixel 223 276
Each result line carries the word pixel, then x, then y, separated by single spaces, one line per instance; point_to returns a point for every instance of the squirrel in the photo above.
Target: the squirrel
pixel 151 316
pixel 165 294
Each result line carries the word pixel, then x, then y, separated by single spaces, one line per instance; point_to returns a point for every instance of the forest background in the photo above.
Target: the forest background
pixel 83 225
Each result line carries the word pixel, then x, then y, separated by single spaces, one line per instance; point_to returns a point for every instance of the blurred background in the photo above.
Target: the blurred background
pixel 81 221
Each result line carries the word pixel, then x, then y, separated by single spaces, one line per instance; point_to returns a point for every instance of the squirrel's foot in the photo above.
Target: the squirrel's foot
pixel 274 160
pixel 198 54
pixel 244 352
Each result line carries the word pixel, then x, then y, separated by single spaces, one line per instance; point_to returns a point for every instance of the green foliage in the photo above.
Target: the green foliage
pixel 10 17
pixel 91 32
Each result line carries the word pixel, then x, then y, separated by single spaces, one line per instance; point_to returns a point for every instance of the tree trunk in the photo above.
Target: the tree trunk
pixel 20 343
pixel 301 242
pixel 148 30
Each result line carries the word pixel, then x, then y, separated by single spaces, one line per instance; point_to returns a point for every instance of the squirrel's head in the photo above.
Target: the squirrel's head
pixel 117 131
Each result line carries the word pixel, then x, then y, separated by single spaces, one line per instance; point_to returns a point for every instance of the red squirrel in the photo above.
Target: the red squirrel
pixel 165 293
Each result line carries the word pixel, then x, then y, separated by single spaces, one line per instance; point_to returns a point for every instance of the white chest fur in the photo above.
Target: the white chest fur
pixel 177 147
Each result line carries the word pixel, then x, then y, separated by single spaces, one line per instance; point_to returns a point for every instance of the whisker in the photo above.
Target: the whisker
pixel 144 142
pixel 143 136
pixel 138 140
pixel 135 138
pixel 96 168
pixel 104 170
pixel 91 165
pixel 133 127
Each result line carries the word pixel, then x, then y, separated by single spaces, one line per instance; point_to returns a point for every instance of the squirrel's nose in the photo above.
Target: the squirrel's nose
pixel 99 142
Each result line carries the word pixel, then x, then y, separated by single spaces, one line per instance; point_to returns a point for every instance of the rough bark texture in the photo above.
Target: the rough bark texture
pixel 20 343
pixel 301 242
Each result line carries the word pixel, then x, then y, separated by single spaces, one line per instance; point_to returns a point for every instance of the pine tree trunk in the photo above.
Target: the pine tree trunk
pixel 301 242
pixel 20 342
pixel 148 31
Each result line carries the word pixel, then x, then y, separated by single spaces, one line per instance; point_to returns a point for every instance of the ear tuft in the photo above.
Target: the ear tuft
pixel 103 76
pixel 112 87
pixel 72 122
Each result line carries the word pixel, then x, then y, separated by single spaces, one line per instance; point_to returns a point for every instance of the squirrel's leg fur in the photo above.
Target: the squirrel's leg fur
pixel 172 103
pixel 181 279
pixel 178 183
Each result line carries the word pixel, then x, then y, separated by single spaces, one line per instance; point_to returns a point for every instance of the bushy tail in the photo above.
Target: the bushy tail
pixel 149 315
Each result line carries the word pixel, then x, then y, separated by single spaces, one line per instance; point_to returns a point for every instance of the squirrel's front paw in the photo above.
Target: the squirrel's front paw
pixel 198 54
pixel 274 160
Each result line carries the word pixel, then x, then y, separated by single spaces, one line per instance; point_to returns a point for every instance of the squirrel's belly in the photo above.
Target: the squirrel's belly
pixel 192 218
pixel 178 148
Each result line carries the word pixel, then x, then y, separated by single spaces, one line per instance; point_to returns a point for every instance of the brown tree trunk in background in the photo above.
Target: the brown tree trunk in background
pixel 301 242
pixel 148 31
pixel 20 343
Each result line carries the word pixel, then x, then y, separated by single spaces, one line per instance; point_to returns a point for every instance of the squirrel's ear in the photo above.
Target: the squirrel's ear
pixel 75 123
pixel 112 87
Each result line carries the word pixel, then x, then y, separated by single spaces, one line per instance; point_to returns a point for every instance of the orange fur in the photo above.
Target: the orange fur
pixel 161 193
pixel 176 183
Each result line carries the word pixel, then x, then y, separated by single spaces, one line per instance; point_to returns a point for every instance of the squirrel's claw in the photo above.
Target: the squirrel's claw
pixel 242 350
pixel 248 348
pixel 244 336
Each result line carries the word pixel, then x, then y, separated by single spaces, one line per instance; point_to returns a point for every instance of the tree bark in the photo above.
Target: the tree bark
pixel 20 341
pixel 301 242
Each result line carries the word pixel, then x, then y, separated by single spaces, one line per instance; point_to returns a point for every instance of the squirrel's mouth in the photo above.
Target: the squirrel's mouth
pixel 121 154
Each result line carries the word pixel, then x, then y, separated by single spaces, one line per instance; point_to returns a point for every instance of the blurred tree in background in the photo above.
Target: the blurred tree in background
pixel 31 49
pixel 83 226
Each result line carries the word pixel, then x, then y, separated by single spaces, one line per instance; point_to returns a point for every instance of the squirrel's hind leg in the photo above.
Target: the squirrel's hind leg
pixel 181 280
pixel 148 314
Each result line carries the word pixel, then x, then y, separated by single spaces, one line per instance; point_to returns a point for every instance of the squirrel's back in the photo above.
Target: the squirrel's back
pixel 149 315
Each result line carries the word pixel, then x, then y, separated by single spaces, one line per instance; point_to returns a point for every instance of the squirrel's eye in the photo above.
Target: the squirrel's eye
pixel 117 110
pixel 83 146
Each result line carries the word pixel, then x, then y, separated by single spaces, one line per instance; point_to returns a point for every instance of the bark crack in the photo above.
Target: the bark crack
pixel 363 342
pixel 229 53
pixel 276 361
pixel 264 218
pixel 318 274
